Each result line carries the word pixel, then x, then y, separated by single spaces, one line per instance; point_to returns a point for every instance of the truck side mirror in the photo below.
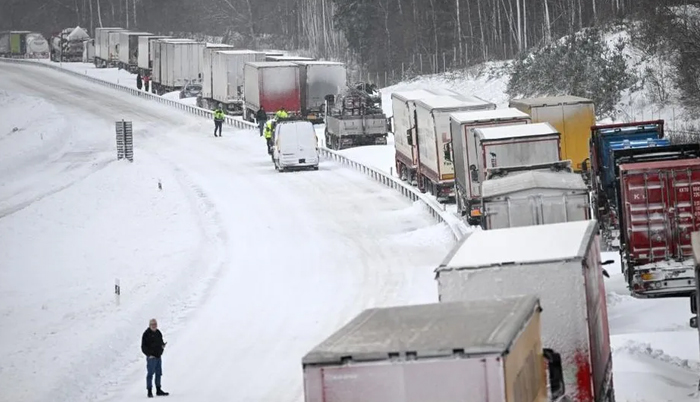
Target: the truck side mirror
pixel 448 151
pixel 693 304
pixel 584 166
pixel 409 136
pixel 474 173
pixel 694 322
pixel 556 374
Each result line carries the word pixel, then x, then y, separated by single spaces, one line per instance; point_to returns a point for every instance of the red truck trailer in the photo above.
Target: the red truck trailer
pixel 659 204
pixel 272 85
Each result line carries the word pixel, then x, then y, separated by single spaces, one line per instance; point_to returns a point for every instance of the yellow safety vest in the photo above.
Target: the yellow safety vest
pixel 281 114
pixel 219 115
pixel 268 129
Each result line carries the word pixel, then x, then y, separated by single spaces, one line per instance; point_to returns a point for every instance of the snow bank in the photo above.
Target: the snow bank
pixel 175 95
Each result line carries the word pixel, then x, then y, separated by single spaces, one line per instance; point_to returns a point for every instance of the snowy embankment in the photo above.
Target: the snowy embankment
pixel 272 262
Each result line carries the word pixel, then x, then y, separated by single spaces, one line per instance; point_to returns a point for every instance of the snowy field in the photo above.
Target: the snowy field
pixel 261 266
pixel 238 281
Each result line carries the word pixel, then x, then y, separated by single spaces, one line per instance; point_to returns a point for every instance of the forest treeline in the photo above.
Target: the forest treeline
pixel 379 37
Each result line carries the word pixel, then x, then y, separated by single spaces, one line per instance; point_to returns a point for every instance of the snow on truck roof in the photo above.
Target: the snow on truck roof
pixel 271 64
pixel 550 101
pixel 488 115
pixel 516 131
pixel 531 180
pixel 415 94
pixel 318 63
pixel 430 330
pixel 453 102
pixel 521 245
pixel 239 51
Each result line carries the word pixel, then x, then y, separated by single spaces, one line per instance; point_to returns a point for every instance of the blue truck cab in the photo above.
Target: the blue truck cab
pixel 607 139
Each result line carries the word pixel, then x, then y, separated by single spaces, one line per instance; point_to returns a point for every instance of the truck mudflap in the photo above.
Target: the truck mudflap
pixel 662 279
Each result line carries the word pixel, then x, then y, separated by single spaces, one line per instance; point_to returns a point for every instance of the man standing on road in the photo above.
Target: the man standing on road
pixel 218 121
pixel 261 117
pixel 152 346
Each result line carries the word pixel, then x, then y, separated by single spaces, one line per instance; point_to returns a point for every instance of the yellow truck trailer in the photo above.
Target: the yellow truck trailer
pixel 572 116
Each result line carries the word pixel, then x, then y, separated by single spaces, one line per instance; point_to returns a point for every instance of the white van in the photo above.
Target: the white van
pixel 296 145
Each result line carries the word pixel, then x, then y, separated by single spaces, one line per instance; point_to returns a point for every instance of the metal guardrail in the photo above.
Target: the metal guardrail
pixel 456 225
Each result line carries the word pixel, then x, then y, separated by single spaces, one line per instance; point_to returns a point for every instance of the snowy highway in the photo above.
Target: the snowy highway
pixel 245 268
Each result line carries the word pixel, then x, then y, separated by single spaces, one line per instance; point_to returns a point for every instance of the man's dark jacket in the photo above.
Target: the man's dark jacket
pixel 261 115
pixel 152 343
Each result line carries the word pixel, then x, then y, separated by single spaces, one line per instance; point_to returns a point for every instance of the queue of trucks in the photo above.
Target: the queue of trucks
pixel 23 44
pixel 539 169
pixel 504 168
pixel 241 81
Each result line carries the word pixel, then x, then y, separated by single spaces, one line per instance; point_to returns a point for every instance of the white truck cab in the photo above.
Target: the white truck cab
pixel 295 145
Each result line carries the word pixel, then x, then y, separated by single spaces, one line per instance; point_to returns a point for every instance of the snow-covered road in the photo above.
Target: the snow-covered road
pixel 266 264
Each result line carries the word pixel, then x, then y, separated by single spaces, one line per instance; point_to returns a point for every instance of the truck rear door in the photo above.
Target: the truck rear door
pixel 662 207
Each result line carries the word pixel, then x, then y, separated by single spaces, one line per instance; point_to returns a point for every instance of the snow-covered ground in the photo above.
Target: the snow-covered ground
pixel 245 268
pixel 260 303
pixel 115 75
pixel 655 352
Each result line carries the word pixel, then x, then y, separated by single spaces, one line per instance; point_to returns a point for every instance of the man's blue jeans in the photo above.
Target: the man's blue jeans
pixel 153 366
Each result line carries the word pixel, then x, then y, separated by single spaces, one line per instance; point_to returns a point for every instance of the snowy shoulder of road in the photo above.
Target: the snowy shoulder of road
pixel 655 352
pixel 115 76
pixel 68 239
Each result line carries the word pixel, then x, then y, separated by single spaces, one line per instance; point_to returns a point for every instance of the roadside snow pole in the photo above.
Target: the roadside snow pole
pixel 125 140
pixel 117 290
pixel 695 298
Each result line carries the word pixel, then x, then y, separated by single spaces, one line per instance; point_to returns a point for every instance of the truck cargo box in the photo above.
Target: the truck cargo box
pixel 157 56
pixel 404 123
pixel 145 48
pixel 179 64
pixel 272 85
pixel 4 43
pixel 534 198
pixel 436 172
pixel 319 79
pixel 129 48
pixel 606 138
pixel 465 154
pixel 207 67
pixel 18 42
pixel 102 49
pixel 659 206
pixel 485 350
pixel 228 68
pixel 514 145
pixel 561 264
pixel 160 57
pixel 572 116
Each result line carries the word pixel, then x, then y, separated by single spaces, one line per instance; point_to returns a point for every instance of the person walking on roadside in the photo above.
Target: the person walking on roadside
pixel 219 118
pixel 146 83
pixel 261 117
pixel 152 346
pixel 139 83
pixel 269 131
